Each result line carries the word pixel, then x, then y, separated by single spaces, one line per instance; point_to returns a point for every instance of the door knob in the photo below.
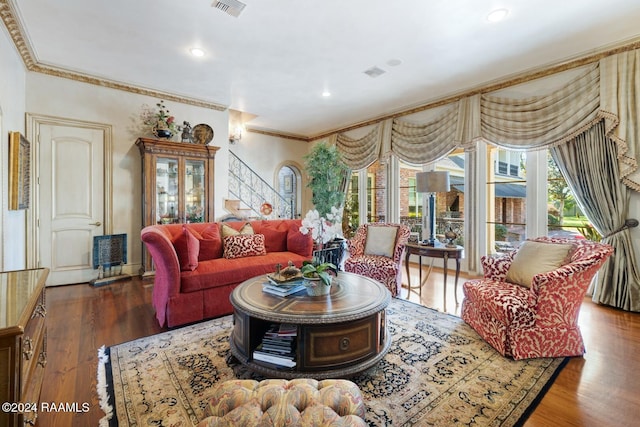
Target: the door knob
pixel 97 223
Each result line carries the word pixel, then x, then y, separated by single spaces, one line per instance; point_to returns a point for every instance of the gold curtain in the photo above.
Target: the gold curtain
pixel 589 165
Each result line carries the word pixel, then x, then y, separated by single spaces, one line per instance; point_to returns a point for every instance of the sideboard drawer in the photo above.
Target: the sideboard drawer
pixel 23 342
pixel 336 344
pixel 32 341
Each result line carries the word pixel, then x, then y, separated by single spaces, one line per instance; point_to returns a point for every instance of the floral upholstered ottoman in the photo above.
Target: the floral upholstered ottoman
pixel 276 402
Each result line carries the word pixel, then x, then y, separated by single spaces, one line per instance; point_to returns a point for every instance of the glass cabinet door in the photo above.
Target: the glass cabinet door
pixel 167 211
pixel 194 190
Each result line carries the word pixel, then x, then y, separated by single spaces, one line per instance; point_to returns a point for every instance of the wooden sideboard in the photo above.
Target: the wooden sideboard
pixel 23 344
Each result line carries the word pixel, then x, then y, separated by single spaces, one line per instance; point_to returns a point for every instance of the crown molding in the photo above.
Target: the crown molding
pixel 16 32
pixel 278 134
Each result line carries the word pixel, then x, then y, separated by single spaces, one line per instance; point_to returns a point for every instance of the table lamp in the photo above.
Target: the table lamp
pixel 432 182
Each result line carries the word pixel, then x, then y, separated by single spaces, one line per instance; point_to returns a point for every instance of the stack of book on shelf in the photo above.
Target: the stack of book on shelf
pixel 278 346
pixel 275 285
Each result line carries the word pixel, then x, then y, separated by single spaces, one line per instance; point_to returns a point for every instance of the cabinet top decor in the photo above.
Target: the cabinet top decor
pixel 160 146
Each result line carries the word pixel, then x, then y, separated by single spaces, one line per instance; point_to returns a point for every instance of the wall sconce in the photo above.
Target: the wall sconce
pixel 235 135
pixel 432 182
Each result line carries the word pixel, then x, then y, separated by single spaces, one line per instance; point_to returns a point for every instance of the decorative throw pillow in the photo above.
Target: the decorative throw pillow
pixel 298 243
pixel 187 248
pixel 275 235
pixel 381 240
pixel 537 257
pixel 227 230
pixel 244 245
pixel 210 243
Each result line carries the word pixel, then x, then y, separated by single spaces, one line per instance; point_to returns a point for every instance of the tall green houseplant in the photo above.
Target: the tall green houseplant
pixel 327 173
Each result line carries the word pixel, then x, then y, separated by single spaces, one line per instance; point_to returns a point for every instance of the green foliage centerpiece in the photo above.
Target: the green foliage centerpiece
pixel 317 277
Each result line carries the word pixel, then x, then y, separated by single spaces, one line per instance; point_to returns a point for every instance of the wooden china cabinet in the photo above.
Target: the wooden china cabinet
pixel 177 184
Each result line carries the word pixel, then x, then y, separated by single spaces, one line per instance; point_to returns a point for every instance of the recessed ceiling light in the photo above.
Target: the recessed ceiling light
pixel 326 94
pixel 497 15
pixel 394 62
pixel 196 51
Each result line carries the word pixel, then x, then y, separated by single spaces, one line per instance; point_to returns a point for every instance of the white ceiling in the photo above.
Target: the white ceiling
pixel 275 59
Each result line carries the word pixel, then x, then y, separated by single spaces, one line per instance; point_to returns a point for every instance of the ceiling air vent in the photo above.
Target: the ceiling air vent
pixel 232 7
pixel 374 72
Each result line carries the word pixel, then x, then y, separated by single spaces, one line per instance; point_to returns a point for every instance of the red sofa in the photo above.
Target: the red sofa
pixel 195 272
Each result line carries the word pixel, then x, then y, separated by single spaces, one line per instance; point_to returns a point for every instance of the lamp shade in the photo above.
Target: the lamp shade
pixel 432 182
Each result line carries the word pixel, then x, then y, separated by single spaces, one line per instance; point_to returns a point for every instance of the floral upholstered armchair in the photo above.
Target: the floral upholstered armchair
pixel 376 252
pixel 528 302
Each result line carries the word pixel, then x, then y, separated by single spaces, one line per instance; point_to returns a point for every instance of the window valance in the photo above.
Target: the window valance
pixel 608 89
pixel 358 153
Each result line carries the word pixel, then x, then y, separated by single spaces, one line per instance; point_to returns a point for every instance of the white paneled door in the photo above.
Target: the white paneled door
pixel 71 200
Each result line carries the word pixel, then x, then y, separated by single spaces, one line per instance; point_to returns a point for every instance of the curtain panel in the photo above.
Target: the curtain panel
pixel 620 106
pixel 589 165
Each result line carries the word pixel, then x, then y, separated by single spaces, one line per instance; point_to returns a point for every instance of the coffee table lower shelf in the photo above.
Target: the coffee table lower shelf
pixel 343 371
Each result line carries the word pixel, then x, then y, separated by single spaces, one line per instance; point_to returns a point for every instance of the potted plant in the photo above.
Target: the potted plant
pixel 159 122
pixel 327 174
pixel 317 277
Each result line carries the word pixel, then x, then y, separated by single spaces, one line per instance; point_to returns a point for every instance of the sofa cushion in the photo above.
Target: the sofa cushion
pixel 508 303
pixel 537 257
pixel 210 242
pixel 244 245
pixel 275 235
pixel 187 248
pixel 381 240
pixel 222 271
pixel 297 242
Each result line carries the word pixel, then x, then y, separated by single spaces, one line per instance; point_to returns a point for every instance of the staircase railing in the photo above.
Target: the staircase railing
pixel 248 187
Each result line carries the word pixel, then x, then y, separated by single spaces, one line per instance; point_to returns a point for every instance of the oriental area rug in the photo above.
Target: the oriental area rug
pixel 438 372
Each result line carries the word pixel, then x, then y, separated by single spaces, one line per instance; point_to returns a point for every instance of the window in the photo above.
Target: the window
pixel 449 206
pixel 507 199
pixel 411 202
pixel 564 216
pixel 376 189
pixel 367 189
pixel 516 213
pixel 351 214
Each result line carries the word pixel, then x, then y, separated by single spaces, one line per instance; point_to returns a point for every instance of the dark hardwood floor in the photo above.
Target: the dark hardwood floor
pixel 600 389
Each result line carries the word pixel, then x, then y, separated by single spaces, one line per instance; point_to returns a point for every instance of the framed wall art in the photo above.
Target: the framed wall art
pixel 288 183
pixel 19 171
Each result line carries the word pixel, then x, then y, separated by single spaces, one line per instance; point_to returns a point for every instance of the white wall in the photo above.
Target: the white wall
pixel 12 109
pixel 69 99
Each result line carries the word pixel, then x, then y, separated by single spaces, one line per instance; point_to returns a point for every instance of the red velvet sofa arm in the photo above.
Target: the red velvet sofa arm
pixel 165 258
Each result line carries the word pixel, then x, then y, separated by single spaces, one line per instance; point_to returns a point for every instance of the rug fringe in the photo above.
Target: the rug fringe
pixel 103 395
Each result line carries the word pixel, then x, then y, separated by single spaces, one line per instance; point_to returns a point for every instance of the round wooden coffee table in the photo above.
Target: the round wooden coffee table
pixel 338 335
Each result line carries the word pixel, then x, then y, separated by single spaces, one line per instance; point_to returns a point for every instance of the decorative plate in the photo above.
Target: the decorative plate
pixel 202 134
